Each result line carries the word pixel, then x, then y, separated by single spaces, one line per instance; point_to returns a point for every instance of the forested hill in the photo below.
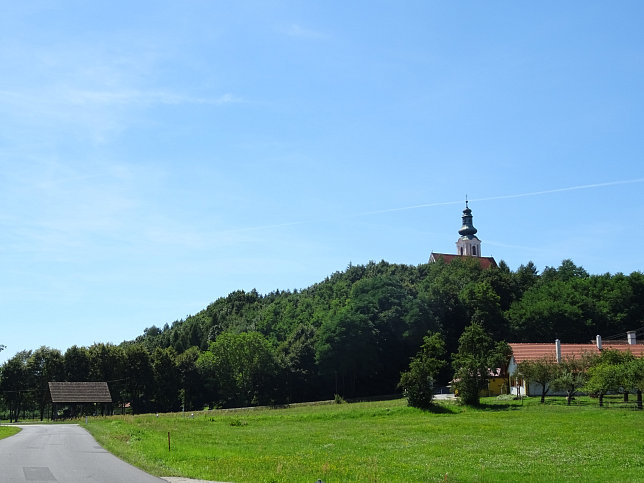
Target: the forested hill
pixel 382 303
pixel 354 332
pixel 351 334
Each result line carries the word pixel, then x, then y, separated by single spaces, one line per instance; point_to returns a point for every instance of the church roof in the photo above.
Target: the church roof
pixel 485 262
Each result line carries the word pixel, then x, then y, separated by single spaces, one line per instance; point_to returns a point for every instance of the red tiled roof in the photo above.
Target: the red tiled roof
pixel 485 262
pixel 530 351
pixel 636 349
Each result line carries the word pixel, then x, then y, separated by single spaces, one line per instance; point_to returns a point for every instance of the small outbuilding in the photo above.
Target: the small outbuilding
pixel 75 394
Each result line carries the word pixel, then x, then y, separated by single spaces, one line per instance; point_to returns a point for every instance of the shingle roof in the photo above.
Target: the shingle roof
pixel 485 262
pixel 530 351
pixel 80 392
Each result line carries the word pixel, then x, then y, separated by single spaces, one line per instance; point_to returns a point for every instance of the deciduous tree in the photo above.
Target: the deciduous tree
pixel 77 364
pixel 190 382
pixel 603 378
pixel 244 367
pixel 571 375
pixel 346 350
pixel 477 355
pixel 107 363
pixel 607 373
pixel 298 358
pixel 634 373
pixel 541 371
pixel 45 365
pixel 15 382
pixel 139 377
pixel 418 382
pixel 166 379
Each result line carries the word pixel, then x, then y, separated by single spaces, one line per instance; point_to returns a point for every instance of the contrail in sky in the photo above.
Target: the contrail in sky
pixel 504 197
pixel 443 203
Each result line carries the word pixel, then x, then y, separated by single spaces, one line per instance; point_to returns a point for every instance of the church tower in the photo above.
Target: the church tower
pixel 468 244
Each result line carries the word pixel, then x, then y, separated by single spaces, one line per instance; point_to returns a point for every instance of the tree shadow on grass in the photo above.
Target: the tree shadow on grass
pixel 459 408
pixel 497 407
pixel 441 409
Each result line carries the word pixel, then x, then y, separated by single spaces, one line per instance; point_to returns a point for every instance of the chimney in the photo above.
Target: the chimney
pixel 599 342
pixel 558 349
pixel 630 337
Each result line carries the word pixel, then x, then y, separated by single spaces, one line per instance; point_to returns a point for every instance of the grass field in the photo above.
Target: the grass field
pixel 6 431
pixel 386 441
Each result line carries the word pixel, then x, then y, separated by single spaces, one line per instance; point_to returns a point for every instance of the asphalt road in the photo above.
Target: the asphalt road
pixel 65 453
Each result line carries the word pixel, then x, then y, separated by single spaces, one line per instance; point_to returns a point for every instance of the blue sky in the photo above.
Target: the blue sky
pixel 158 155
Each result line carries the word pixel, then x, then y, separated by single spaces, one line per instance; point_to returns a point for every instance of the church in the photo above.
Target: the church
pixel 467 245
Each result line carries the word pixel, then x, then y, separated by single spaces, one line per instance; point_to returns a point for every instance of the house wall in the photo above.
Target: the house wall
pixel 495 387
pixel 517 387
pixel 535 390
pixel 517 384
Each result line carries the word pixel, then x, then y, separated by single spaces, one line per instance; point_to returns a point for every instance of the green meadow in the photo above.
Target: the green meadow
pixel 387 441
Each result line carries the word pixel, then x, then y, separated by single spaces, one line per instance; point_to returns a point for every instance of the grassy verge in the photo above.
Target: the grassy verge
pixel 6 431
pixel 386 441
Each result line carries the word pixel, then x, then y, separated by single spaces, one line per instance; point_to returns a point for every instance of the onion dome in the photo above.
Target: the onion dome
pixel 467 230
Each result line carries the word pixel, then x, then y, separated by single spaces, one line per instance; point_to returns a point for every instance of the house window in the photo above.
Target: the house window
pixel 474 250
pixel 461 249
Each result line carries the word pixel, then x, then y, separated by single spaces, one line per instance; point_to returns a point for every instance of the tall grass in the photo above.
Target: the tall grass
pixel 386 441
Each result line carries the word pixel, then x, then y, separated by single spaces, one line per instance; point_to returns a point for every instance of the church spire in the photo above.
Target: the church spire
pixel 468 228
pixel 468 244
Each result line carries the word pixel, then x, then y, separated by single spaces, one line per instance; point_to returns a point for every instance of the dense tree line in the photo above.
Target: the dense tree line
pixel 352 334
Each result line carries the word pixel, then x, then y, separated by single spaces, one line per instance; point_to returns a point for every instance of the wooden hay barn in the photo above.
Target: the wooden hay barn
pixel 73 394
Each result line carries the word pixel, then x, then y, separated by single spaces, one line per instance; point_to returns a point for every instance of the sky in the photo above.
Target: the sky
pixel 155 156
